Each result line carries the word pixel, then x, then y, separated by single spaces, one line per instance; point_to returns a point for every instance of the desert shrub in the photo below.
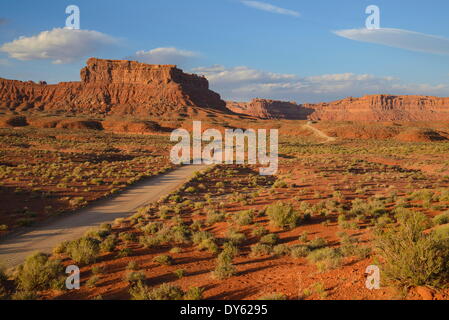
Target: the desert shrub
pixel 108 244
pixel 164 292
pixel 244 218
pixel 280 184
pixel 281 250
pixel 299 251
pixel 199 236
pixel 149 241
pixel 124 252
pixel 230 249
pixel 260 249
pixel 326 258
pixel 304 237
pixel 134 277
pixel 163 260
pixel 270 239
pixel 214 217
pixel 60 248
pixel 209 245
pixel 84 250
pixel 194 293
pixel 180 273
pixel 441 219
pixel 128 237
pixel 317 243
pixel 259 231
pixel 38 273
pixel 224 268
pixel 410 256
pixel 282 215
pixel 273 297
pixel 235 237
pixel 132 265
pixel 152 227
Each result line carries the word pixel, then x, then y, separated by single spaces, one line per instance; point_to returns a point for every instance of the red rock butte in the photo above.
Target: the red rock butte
pixel 115 87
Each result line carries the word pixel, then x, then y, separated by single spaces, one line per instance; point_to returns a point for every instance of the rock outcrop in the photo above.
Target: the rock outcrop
pixel 383 108
pixel 270 109
pixel 115 87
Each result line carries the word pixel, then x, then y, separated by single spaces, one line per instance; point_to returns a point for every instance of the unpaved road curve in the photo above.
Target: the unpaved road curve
pixel 16 247
pixel 320 133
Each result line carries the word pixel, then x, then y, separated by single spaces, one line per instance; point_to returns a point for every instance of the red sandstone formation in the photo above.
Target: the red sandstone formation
pixel 115 87
pixel 383 108
pixel 270 109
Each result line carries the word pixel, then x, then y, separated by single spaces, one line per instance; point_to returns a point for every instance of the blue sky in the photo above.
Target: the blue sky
pixel 306 51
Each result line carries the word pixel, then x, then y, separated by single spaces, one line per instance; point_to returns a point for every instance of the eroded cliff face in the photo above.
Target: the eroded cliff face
pixel 270 109
pixel 383 108
pixel 115 87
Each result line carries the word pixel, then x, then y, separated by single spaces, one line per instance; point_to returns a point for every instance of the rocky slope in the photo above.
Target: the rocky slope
pixel 270 109
pixel 383 108
pixel 115 87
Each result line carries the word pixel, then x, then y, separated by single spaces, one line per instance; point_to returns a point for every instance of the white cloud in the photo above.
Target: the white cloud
pixel 58 45
pixel 270 8
pixel 398 38
pixel 221 76
pixel 164 56
pixel 243 83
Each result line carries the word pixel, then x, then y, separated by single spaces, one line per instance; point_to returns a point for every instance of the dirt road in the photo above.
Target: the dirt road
pixel 16 247
pixel 320 133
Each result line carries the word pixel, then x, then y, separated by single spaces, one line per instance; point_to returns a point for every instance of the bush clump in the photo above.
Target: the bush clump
pixel 38 273
pixel 84 250
pixel 282 215
pixel 412 257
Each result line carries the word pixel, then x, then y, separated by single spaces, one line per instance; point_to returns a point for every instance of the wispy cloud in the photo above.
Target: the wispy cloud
pixel 3 21
pixel 244 83
pixel 398 38
pixel 59 45
pixel 270 8
pixel 169 55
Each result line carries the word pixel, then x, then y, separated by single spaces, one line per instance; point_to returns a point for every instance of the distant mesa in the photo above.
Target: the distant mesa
pixel 115 87
pixel 270 109
pixel 380 108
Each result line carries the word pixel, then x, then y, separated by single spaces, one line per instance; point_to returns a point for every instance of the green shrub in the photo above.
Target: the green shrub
pixel 270 239
pixel 224 268
pixel 180 273
pixel 164 292
pixel 235 237
pixel 317 243
pixel 83 250
pixel 134 277
pixel 163 260
pixel 281 250
pixel 441 219
pixel 410 256
pixel 244 218
pixel 259 231
pixel 282 215
pixel 38 273
pixel 108 244
pixel 194 293
pixel 299 251
pixel 260 249
pixel 214 217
